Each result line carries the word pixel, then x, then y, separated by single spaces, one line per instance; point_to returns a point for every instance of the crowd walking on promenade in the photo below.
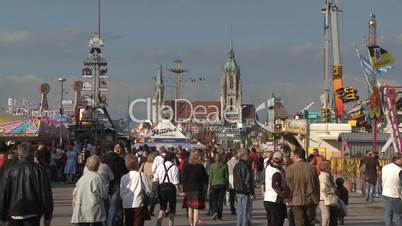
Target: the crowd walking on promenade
pixel 121 185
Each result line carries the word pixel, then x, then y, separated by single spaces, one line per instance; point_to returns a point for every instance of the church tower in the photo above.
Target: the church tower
pixel 158 98
pixel 231 90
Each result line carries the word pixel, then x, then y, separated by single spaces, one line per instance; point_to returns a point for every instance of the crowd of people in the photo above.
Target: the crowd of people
pixel 117 185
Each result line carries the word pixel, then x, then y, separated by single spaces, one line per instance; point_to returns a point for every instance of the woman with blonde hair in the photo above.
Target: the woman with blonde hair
pixel 194 179
pixel 147 170
pixel 133 185
pixel 328 198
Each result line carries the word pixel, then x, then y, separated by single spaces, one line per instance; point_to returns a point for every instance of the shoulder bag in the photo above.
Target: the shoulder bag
pixel 145 200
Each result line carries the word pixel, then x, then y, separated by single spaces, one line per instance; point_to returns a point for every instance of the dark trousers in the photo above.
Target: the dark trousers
pixel 217 196
pixel 232 199
pixel 134 217
pixel 90 224
pixel 32 221
pixel 291 219
pixel 276 213
pixel 167 195
pixel 304 215
pixel 333 216
pixel 53 173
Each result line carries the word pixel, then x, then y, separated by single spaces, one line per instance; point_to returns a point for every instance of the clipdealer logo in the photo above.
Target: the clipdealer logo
pixel 197 113
pixel 194 113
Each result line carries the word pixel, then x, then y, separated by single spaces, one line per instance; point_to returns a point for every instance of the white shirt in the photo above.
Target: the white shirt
pixel 157 162
pixel 131 187
pixel 173 173
pixel 270 194
pixel 231 164
pixel 391 183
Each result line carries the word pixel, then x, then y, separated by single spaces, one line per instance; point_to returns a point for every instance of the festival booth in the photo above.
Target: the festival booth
pixel 168 135
pixel 30 129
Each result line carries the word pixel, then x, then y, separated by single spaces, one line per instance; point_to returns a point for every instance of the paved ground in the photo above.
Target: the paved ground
pixel 360 213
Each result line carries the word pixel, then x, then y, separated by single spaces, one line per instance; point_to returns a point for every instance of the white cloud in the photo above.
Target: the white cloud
pixel 18 79
pixel 21 36
pixel 302 48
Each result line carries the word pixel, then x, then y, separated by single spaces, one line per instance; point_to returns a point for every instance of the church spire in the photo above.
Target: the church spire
pixel 231 52
pixel 230 65
pixel 231 88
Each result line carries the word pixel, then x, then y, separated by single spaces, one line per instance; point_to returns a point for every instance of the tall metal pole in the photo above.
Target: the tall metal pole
pixel 178 77
pixel 372 41
pixel 61 80
pixel 96 76
pixel 98 17
pixel 326 45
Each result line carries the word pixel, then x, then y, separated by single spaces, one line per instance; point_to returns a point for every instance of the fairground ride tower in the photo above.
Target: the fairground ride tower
pixel 330 11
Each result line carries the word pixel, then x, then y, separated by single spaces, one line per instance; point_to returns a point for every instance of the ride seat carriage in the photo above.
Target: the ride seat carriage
pixel 350 97
pixel 103 71
pixel 348 94
pixel 356 115
pixel 86 71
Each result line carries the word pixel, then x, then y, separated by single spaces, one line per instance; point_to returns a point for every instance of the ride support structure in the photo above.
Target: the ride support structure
pixel 331 35
pixel 391 113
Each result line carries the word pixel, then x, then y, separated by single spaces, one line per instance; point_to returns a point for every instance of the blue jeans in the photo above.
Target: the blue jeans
pixel 370 189
pixel 115 217
pixel 392 211
pixel 243 210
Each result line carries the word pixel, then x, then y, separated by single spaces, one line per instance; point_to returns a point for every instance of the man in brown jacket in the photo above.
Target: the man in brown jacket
pixel 304 187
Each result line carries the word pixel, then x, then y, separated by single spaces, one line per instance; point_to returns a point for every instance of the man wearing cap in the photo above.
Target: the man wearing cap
pixel 274 202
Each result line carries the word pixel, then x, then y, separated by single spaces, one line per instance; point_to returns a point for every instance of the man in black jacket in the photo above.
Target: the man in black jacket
pixel 116 163
pixel 243 180
pixel 25 192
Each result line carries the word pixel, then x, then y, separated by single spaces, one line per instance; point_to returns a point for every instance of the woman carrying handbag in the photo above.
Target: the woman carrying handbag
pixel 328 198
pixel 134 192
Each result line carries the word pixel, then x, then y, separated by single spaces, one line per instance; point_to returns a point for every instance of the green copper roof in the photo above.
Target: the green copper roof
pixel 230 65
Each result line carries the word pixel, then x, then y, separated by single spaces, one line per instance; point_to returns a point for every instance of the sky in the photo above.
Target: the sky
pixel 278 46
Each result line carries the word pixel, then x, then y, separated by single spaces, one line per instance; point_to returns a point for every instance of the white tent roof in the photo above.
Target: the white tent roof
pixel 165 130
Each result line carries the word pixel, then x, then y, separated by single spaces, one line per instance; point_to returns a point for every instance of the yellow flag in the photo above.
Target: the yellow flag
pixel 379 57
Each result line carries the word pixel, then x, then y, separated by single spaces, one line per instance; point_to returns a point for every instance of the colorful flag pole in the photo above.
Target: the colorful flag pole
pixel 367 69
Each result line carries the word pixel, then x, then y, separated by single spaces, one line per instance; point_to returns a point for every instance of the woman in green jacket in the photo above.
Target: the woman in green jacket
pixel 218 181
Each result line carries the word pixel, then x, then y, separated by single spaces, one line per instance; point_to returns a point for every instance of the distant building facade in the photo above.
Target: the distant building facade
pixel 227 116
